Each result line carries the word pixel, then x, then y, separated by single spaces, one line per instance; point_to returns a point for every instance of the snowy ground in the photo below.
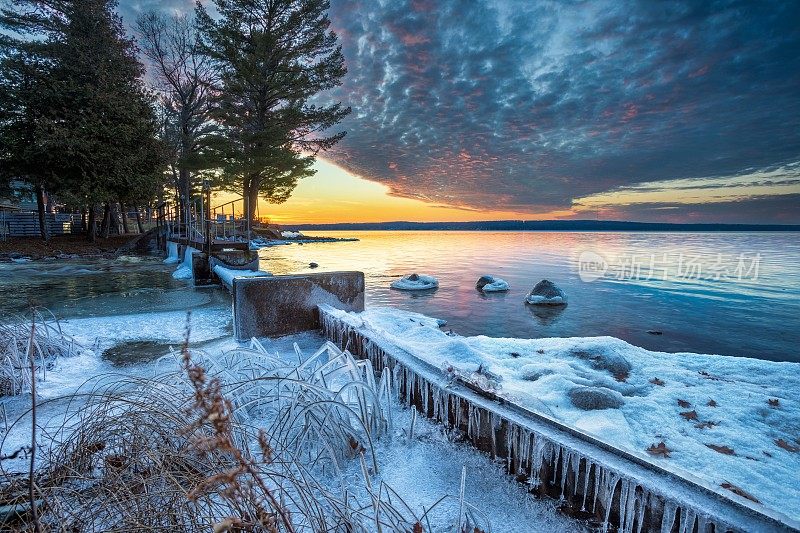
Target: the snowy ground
pixel 421 469
pixel 734 422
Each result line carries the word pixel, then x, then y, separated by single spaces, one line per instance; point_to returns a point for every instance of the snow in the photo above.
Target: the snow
pixel 184 270
pixel 227 274
pixel 661 397
pixel 172 253
pixel 415 282
pixel 489 283
pixel 421 467
pixel 291 234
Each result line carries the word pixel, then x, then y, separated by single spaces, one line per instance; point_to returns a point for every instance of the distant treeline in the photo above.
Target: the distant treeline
pixel 544 225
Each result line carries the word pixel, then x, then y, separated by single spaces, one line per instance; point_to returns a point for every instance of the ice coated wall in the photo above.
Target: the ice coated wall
pixel 587 475
pixel 280 305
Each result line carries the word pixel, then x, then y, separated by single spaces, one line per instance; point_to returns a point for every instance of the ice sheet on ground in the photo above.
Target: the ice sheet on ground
pixel 724 419
pixel 421 469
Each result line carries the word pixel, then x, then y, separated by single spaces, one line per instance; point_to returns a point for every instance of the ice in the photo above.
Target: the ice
pixel 690 402
pixel 172 253
pixel 184 270
pixel 489 283
pixel 227 274
pixel 291 234
pixel 414 457
pixel 415 282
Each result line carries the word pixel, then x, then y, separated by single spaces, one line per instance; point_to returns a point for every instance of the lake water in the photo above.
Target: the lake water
pixel 724 293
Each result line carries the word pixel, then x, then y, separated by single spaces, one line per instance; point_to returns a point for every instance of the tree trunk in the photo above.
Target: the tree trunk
pixel 84 227
pixel 91 235
pixel 40 208
pixel 138 220
pixel 251 201
pixel 106 225
pixel 185 190
pixel 124 214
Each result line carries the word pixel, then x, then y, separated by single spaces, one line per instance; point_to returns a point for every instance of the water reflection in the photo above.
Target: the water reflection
pixel 748 317
pixel 546 315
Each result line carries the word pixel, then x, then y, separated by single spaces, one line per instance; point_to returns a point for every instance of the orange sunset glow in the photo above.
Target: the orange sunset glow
pixel 334 195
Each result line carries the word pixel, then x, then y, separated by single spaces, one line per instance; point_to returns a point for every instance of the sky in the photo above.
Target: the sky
pixel 479 110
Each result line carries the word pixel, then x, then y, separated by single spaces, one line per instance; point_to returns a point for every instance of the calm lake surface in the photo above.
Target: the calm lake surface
pixel 723 293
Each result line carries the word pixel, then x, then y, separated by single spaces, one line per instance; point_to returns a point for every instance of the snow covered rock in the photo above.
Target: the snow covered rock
pixel 546 293
pixel 595 398
pixel 491 284
pixel 415 282
pixel 291 234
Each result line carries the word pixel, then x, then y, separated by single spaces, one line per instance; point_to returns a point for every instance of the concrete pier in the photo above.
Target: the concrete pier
pixel 281 305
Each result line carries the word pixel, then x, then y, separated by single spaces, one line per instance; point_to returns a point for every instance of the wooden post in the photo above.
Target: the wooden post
pixel 207 212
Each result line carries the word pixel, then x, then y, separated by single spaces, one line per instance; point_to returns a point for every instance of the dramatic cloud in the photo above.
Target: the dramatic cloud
pixel 537 106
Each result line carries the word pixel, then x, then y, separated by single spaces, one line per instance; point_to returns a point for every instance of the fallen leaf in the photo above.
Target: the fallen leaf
pixel 659 449
pixel 780 443
pixel 621 376
pixel 711 403
pixel 689 415
pixel 774 402
pixel 725 450
pixel 656 381
pixel 736 490
pixel 418 528
pixel 684 404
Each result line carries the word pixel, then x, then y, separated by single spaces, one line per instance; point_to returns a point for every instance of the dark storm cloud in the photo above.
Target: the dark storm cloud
pixel 527 105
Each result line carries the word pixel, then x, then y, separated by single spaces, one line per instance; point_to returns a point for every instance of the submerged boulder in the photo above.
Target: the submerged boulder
pixel 491 284
pixel 595 398
pixel 415 282
pixel 546 293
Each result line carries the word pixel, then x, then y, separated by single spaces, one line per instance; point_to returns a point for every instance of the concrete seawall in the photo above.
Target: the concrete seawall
pixel 281 305
pixel 590 478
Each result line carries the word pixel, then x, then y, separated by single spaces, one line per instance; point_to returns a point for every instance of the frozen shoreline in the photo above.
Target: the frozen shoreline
pixel 437 462
pixel 634 399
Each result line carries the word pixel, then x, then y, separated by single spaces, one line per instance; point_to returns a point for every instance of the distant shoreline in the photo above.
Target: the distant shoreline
pixel 544 225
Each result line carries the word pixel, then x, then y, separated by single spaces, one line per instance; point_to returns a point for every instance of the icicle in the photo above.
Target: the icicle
pixel 598 471
pixel 554 461
pixel 586 483
pixel 576 472
pixel 640 511
pixel 668 518
pixel 627 505
pixel 687 521
pixel 565 459
pixel 609 486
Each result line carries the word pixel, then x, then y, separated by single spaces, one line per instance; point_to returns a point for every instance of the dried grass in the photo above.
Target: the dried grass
pixel 39 337
pixel 241 442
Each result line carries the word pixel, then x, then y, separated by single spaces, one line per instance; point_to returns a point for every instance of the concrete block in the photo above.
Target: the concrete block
pixel 281 305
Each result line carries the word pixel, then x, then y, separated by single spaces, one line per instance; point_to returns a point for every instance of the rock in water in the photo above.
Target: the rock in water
pixel 491 284
pixel 594 398
pixel 415 282
pixel 312 265
pixel 546 293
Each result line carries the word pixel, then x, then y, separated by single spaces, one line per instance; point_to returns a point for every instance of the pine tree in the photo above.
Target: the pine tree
pixel 94 126
pixel 272 58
